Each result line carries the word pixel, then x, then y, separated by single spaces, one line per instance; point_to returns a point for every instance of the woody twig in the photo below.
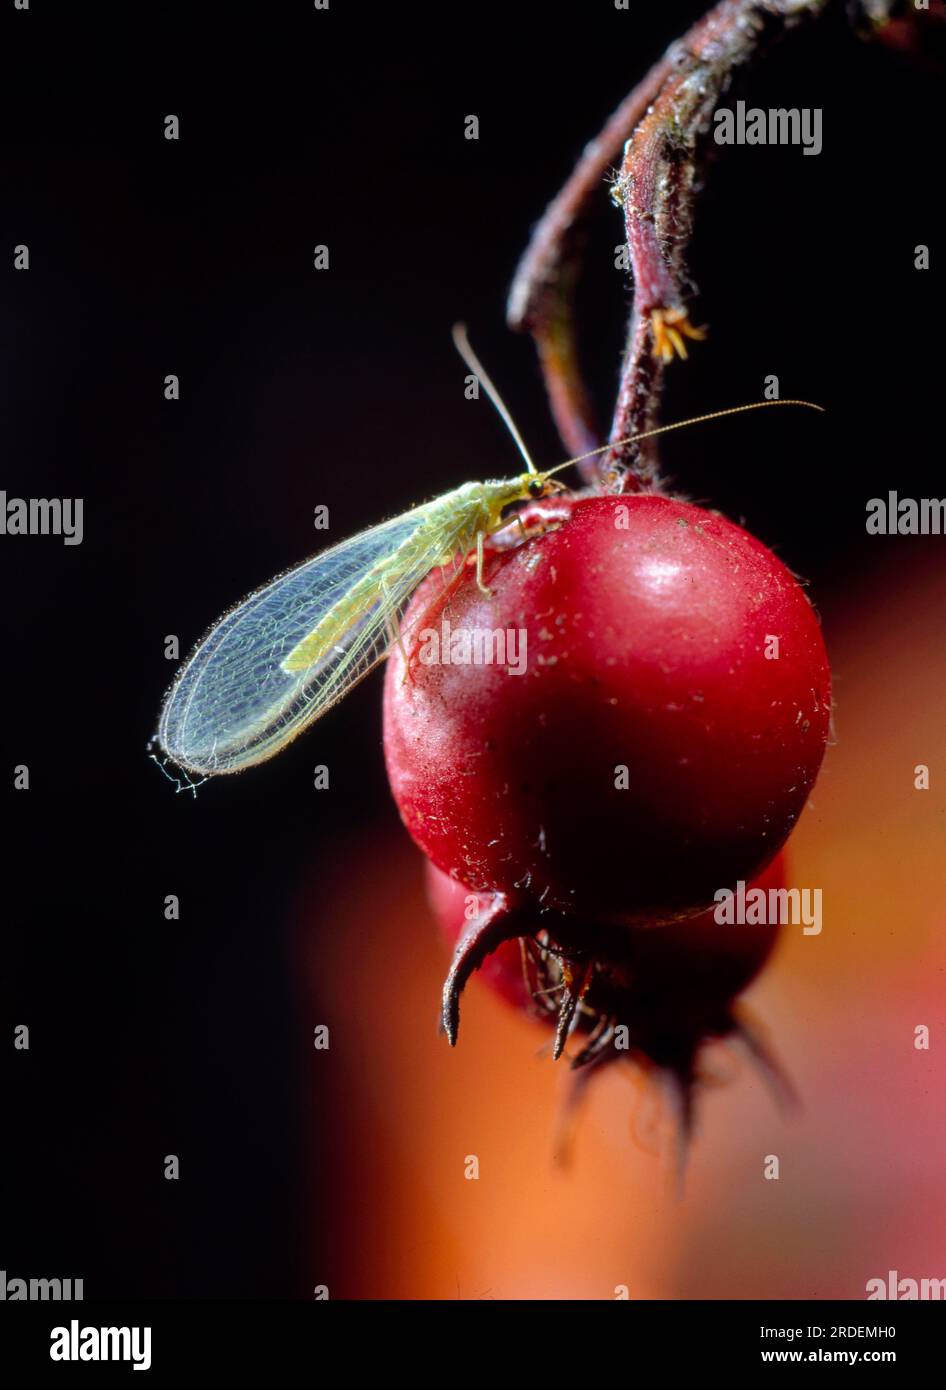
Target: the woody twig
pixel 661 127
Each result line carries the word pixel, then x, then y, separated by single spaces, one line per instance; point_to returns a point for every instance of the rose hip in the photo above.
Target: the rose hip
pixel 669 718
pixel 663 739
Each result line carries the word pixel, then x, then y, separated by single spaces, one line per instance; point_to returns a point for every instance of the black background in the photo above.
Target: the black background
pixel 300 388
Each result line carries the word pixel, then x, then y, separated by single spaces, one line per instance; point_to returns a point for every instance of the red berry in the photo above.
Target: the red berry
pixel 661 639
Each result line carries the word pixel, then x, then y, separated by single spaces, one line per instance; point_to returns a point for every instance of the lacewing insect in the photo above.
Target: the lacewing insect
pixel 292 649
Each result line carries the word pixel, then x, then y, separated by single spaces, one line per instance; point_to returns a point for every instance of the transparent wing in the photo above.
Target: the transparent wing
pixel 233 704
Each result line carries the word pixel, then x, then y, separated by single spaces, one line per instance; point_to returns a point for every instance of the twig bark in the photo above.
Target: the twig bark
pixel 657 188
pixel 541 299
pixel 661 127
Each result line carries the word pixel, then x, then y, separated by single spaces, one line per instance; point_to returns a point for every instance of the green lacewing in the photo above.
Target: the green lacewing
pixel 292 649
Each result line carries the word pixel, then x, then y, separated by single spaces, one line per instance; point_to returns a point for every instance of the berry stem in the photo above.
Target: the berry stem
pixel 656 187
pixel 542 295
pixel 661 127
